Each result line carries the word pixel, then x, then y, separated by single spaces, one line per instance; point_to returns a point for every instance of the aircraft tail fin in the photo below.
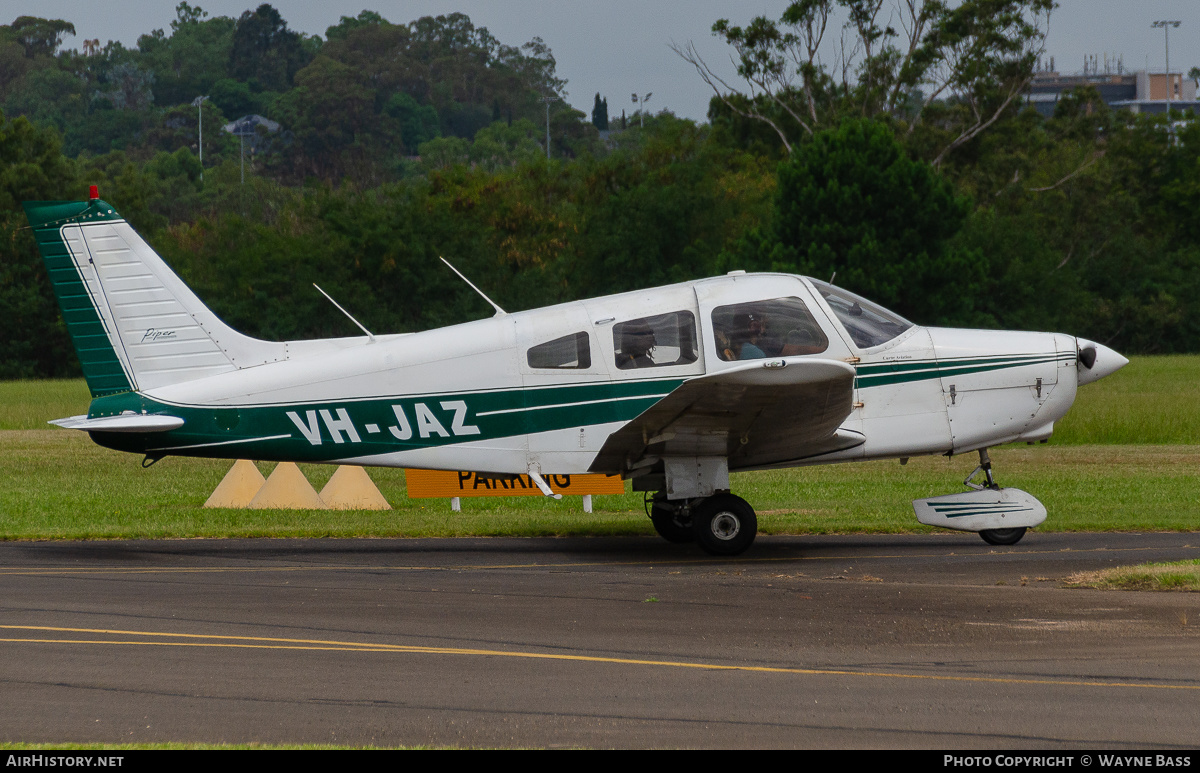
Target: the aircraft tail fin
pixel 134 323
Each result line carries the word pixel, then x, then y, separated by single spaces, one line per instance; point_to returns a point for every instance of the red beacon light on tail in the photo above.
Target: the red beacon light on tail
pixel 93 192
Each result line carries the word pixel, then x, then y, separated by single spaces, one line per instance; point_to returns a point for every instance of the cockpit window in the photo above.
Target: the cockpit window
pixel 570 351
pixel 652 342
pixel 868 324
pixel 781 327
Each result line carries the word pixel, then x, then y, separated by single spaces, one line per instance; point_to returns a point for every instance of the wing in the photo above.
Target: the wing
pixel 759 414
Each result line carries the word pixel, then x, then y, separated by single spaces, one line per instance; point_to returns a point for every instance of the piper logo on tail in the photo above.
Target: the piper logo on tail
pixel 153 334
pixel 340 427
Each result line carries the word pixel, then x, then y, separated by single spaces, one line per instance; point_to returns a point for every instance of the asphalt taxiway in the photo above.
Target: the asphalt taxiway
pixel 831 641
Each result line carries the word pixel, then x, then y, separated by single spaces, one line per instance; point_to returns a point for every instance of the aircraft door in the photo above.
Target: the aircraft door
pixel 748 317
pixel 563 376
pixel 763 317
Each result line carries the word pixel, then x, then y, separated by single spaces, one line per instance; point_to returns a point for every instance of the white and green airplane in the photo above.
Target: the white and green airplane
pixel 671 387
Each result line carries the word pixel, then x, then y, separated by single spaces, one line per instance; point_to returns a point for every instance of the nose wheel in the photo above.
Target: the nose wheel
pixel 1002 536
pixel 992 536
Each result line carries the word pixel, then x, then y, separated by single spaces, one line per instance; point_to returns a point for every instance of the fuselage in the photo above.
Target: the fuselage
pixel 544 389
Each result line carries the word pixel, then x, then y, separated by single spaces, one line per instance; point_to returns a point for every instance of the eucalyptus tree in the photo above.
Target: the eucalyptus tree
pixel 953 69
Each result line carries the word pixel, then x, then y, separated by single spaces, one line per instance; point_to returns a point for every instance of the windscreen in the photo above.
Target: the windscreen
pixel 868 324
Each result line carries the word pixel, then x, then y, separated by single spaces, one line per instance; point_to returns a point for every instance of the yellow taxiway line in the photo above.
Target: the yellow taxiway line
pixel 264 642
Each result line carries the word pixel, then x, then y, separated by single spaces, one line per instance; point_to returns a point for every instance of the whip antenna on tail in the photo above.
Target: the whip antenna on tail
pixel 370 335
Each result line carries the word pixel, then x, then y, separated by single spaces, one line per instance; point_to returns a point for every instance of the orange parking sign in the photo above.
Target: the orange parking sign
pixel 424 484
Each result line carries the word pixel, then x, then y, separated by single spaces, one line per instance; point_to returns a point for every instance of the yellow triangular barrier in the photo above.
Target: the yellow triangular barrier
pixel 287 489
pixel 238 487
pixel 351 488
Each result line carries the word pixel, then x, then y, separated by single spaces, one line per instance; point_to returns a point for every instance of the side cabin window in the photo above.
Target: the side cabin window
pixel 654 342
pixel 569 352
pixel 781 327
pixel 868 324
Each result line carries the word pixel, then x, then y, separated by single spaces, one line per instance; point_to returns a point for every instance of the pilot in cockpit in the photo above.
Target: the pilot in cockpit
pixel 747 333
pixel 637 341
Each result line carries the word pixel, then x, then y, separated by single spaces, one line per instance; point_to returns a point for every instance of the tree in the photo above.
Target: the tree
pixel 346 24
pixel 40 37
pixel 337 131
pixel 978 56
pixel 264 49
pixel 850 201
pixel 506 145
pixel 600 113
pixel 191 59
pixel 32 167
pixel 418 123
pixel 131 88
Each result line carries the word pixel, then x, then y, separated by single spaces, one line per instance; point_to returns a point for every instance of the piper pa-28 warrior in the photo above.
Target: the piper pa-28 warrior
pixel 672 387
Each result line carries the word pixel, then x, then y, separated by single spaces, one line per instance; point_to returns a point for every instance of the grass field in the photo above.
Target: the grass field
pixel 1176 575
pixel 1125 458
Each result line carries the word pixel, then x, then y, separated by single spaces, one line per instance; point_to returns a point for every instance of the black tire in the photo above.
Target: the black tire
pixel 669 525
pixel 1002 536
pixel 724 525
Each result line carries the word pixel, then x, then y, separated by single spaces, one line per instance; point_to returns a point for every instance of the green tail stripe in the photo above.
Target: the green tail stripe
pixel 101 367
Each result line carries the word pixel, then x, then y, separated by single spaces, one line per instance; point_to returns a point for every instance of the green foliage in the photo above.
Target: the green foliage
pixel 337 131
pixel 978 55
pixel 852 202
pixel 418 123
pixel 346 24
pixel 48 95
pixel 32 168
pixel 236 98
pixel 40 37
pixel 187 63
pixel 265 51
pixel 600 113
pixel 506 145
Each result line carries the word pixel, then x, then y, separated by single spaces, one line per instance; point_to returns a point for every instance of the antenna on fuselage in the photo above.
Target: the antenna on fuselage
pixel 832 277
pixel 499 311
pixel 370 336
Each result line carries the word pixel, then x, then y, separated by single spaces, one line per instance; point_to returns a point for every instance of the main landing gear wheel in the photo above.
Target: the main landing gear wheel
pixel 1002 536
pixel 725 525
pixel 670 523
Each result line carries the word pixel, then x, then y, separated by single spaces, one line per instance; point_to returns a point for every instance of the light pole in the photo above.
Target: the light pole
pixel 198 101
pixel 642 110
pixel 548 100
pixel 1166 25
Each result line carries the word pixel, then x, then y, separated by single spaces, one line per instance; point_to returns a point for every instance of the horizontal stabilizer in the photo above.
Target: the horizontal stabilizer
pixel 1006 508
pixel 126 422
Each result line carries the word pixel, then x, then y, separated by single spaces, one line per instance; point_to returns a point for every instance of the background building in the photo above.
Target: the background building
pixel 1140 92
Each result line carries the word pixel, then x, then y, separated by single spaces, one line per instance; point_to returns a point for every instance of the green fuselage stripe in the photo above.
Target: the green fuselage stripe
pixel 883 374
pixel 316 432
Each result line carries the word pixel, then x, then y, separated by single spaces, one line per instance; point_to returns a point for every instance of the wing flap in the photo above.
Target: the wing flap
pixel 762 413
